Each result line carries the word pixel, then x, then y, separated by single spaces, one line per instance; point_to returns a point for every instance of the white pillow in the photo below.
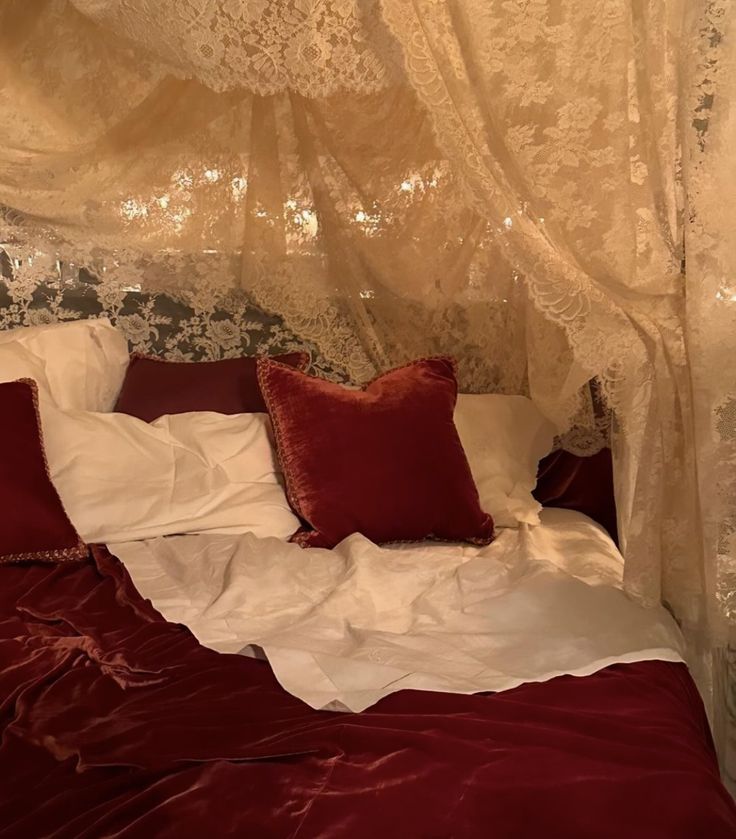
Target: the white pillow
pixel 80 364
pixel 504 438
pixel 120 478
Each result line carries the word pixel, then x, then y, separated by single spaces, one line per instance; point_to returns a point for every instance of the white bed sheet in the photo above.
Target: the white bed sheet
pixel 342 628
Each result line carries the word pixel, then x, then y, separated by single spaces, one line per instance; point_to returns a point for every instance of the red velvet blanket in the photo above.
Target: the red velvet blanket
pixel 116 723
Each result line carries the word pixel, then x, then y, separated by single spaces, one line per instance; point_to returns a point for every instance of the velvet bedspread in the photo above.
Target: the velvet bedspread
pixel 116 723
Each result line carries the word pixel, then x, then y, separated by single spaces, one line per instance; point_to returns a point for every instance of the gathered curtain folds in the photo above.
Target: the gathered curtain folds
pixel 537 187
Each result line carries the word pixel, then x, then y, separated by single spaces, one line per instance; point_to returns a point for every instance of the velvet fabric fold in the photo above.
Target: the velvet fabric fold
pixel 578 483
pixel 115 722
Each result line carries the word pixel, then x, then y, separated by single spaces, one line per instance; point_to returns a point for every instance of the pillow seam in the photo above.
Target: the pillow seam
pixel 293 490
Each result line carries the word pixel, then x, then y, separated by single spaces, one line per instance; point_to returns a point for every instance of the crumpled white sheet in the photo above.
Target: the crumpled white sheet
pixel 342 628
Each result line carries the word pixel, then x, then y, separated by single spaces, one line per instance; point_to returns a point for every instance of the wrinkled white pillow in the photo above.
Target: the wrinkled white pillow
pixel 80 364
pixel 120 478
pixel 504 438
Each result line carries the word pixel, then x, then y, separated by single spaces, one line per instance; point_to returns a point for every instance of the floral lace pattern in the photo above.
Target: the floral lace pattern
pixel 711 327
pixel 510 183
pixel 315 47
pixel 156 324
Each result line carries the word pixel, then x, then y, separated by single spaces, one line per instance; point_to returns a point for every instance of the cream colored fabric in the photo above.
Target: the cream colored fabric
pixel 78 366
pixel 508 182
pixel 315 48
pixel 344 627
pixel 120 478
pixel 504 438
pixel 710 323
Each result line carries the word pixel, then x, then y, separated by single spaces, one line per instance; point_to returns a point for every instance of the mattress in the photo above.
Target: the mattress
pixel 346 627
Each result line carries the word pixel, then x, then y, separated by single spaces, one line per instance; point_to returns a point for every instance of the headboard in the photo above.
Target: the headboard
pixel 155 323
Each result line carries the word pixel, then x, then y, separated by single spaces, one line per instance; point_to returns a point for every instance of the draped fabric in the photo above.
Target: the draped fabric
pixel 534 186
pixel 710 326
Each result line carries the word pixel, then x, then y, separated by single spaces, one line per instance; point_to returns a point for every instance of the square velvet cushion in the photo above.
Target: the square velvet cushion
pixel 34 525
pixel 154 387
pixel 385 461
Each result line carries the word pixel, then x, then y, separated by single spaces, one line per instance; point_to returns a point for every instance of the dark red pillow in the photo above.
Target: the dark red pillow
pixel 385 461
pixel 34 525
pixel 154 387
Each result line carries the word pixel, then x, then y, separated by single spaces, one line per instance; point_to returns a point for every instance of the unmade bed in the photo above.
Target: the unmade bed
pixel 176 660
pixel 118 722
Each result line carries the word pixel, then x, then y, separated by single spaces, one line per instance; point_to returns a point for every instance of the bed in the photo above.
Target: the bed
pixel 234 684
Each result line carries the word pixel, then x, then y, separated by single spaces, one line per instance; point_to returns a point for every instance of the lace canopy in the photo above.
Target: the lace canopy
pixel 542 188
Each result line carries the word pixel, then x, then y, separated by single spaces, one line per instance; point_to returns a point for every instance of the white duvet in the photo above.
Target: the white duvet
pixel 342 628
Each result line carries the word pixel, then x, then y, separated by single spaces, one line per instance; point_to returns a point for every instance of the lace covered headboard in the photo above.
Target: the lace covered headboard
pixel 157 324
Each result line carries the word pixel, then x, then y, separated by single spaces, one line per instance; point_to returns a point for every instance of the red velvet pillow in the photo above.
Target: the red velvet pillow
pixel 34 524
pixel 154 387
pixel 385 461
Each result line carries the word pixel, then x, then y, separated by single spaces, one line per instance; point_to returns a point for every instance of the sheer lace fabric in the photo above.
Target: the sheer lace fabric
pixel 313 47
pixel 501 181
pixel 710 330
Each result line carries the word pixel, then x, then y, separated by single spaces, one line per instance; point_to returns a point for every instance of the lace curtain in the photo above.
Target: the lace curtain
pixel 710 236
pixel 511 182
